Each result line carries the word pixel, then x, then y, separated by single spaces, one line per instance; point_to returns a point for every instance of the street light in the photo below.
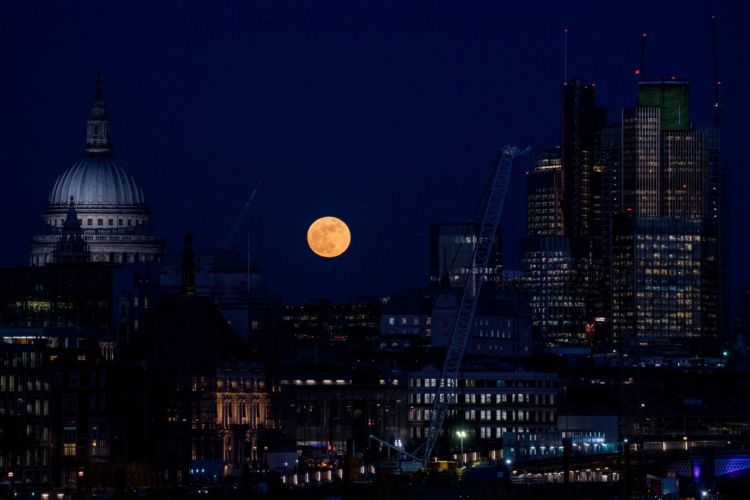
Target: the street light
pixel 461 435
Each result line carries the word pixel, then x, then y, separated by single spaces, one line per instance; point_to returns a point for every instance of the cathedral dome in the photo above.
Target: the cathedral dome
pixel 96 181
pixel 96 211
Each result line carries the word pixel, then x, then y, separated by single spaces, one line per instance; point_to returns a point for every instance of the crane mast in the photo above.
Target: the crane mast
pixel 445 393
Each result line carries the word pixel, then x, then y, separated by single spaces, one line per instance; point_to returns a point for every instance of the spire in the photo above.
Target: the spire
pixel 72 224
pixel 71 247
pixel 98 125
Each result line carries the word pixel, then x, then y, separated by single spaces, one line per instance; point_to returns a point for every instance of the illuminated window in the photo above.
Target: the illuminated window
pixel 69 440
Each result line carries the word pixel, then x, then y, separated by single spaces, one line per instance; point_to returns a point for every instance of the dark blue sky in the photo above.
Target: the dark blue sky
pixel 388 115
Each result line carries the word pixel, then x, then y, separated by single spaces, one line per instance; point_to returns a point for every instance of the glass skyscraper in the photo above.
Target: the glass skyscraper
pixel 665 265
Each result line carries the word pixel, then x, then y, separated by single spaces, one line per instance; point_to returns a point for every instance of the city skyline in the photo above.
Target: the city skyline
pixel 388 177
pixel 352 250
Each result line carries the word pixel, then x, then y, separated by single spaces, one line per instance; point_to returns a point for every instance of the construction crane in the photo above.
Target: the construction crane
pixel 240 219
pixel 465 314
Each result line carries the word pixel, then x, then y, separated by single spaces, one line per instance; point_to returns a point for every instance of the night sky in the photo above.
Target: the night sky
pixel 388 115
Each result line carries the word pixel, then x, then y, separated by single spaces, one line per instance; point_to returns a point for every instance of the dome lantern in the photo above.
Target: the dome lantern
pixel 98 126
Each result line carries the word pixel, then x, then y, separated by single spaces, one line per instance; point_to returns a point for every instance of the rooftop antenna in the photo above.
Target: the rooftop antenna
pixel 565 55
pixel 717 79
pixel 642 63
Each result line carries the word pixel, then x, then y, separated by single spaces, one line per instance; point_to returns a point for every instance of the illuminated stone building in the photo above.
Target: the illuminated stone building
pixel 230 410
pixel 110 205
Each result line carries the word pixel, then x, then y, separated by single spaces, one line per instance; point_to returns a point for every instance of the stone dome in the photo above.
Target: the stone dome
pixel 96 180
pixel 113 221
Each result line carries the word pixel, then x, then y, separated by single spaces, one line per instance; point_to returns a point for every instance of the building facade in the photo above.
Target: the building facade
pixel 487 404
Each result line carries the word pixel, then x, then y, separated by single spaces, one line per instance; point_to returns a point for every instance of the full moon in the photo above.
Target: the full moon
pixel 328 237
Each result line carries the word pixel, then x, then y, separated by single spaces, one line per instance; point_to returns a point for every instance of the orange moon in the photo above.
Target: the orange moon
pixel 329 237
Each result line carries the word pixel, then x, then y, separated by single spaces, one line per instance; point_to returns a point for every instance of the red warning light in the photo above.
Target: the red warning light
pixel 637 72
pixel 629 210
pixel 644 34
pixel 684 186
pixel 80 473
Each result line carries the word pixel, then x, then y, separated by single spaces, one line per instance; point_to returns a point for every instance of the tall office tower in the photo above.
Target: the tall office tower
pixel 451 250
pixel 581 120
pixel 666 263
pixel 553 274
pixel 545 192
